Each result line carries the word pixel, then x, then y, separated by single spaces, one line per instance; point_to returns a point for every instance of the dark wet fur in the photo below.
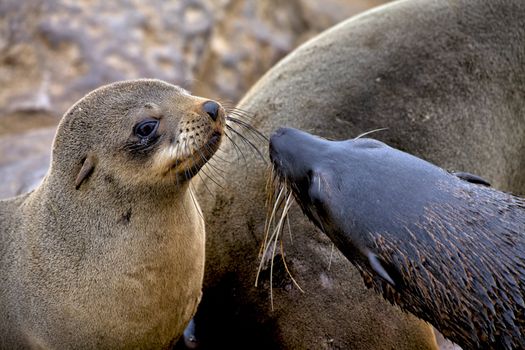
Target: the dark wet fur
pixel 458 262
pixel 463 268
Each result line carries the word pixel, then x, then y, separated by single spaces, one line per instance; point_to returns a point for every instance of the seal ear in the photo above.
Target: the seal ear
pixel 475 179
pixel 86 170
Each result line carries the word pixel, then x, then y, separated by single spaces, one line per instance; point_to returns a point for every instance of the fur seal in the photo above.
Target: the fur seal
pixel 445 247
pixel 446 78
pixel 108 251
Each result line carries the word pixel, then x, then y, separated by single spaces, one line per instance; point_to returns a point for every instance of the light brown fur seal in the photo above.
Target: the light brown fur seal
pixel 108 252
pixel 446 79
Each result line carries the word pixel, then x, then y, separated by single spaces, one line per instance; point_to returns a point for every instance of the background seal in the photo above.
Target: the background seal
pixel 445 78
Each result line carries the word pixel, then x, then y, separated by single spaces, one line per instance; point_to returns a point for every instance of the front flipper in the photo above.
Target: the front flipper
pixel 190 339
pixel 475 179
pixel 378 268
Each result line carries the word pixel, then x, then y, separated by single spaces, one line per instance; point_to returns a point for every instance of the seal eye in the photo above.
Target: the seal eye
pixel 144 137
pixel 147 128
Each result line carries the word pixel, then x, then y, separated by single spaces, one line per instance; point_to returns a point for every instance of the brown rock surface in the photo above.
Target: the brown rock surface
pixel 53 52
pixel 24 160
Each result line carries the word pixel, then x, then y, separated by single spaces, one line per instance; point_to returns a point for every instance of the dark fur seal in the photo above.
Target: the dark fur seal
pixel 444 247
pixel 108 251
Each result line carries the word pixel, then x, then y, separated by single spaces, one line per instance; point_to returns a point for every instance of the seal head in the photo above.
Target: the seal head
pixel 162 134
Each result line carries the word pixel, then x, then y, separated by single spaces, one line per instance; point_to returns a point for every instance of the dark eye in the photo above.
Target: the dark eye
pixel 146 128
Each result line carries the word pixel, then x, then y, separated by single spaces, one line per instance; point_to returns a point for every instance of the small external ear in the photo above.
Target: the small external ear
pixel 475 179
pixel 85 171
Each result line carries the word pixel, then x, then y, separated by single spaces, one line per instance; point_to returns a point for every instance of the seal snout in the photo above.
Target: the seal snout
pixel 212 108
pixel 285 142
pixel 188 139
pixel 294 148
pixel 282 151
pixel 296 155
pixel 276 143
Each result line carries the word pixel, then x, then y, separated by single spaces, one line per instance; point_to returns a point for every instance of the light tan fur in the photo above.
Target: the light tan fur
pixel 112 256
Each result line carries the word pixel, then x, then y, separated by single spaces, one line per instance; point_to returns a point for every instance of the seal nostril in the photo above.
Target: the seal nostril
pixel 212 108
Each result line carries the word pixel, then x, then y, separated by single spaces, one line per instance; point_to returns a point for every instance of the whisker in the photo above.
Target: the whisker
pixel 204 182
pixel 238 150
pixel 205 160
pixel 248 142
pixel 242 117
pixel 278 230
pixel 276 206
pixel 190 188
pixel 248 127
pixel 176 164
pixel 369 132
pixel 187 172
pixel 212 165
pixel 208 164
pixel 271 272
pixel 287 270
pixel 177 177
pixel 270 181
pixel 216 156
pixel 221 150
pixel 279 201
pixel 240 112
pixel 289 229
pixel 215 171
pixel 212 179
pixel 331 254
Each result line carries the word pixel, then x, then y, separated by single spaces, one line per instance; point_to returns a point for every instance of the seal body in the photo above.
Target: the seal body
pixel 447 250
pixel 108 251
pixel 445 78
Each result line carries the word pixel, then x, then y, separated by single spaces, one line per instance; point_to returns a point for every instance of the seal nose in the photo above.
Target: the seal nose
pixel 284 146
pixel 275 138
pixel 212 108
pixel 274 146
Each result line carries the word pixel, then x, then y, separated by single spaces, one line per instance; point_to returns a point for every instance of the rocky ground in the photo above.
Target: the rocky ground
pixel 52 52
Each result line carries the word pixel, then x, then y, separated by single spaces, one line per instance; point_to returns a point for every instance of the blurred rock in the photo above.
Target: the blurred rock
pixel 24 160
pixel 54 51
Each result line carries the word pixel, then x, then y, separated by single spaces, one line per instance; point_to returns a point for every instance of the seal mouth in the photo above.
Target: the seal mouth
pixel 294 153
pixel 297 170
pixel 214 140
pixel 276 158
pixel 190 164
pixel 211 146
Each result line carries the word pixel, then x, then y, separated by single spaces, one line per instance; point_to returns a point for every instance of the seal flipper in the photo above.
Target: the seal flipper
pixel 475 179
pixel 189 336
pixel 378 268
